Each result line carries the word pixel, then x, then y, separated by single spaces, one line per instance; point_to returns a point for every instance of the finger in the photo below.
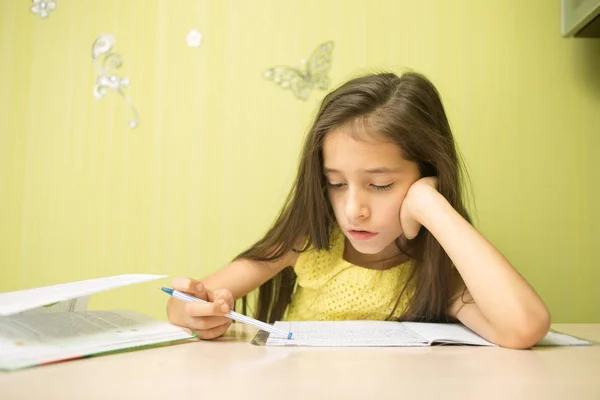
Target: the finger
pixel 197 309
pixel 206 323
pixel 213 333
pixel 201 291
pixel 222 294
pixel 184 284
pixel 412 231
pixel 191 286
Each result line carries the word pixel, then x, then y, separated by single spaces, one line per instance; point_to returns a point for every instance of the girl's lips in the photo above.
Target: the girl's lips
pixel 362 235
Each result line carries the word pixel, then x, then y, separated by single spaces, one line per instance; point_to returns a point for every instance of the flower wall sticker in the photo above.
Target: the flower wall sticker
pixel 304 78
pixel 106 61
pixel 193 38
pixel 42 7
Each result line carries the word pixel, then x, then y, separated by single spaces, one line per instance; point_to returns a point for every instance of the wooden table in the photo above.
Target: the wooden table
pixel 232 368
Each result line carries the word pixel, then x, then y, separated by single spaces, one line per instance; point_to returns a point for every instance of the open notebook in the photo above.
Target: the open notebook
pixel 387 333
pixel 50 324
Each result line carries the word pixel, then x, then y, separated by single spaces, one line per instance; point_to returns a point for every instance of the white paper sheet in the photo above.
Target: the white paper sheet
pixel 22 300
pixel 560 339
pixel 447 333
pixel 391 333
pixel 77 304
pixel 347 334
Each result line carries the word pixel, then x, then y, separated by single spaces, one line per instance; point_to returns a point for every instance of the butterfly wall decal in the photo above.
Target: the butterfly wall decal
pixel 312 73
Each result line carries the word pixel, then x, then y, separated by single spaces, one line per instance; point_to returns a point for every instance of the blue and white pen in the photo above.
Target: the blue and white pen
pixel 231 314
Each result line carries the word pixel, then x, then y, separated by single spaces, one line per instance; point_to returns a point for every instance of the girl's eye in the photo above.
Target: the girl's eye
pixel 335 185
pixel 383 187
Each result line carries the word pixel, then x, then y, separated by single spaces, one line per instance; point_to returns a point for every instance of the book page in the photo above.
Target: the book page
pixel 447 333
pixel 460 334
pixel 77 304
pixel 347 334
pixel 390 333
pixel 51 327
pixel 32 339
pixel 561 339
pixel 22 300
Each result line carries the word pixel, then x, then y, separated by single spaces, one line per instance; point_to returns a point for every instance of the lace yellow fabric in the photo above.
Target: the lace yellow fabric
pixel 330 288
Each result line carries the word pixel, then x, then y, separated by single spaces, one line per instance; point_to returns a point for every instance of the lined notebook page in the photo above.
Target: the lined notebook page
pixel 561 339
pixel 347 334
pixel 391 333
pixel 447 333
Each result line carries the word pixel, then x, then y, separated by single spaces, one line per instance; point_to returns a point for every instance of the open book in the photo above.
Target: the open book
pixel 388 333
pixel 50 324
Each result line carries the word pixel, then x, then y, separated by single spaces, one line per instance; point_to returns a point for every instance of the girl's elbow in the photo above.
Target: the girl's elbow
pixel 528 332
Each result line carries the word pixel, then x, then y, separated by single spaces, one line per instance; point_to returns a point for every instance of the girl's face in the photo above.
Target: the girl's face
pixel 367 180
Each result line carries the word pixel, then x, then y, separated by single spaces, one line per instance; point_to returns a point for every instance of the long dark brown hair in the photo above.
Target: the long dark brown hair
pixel 406 109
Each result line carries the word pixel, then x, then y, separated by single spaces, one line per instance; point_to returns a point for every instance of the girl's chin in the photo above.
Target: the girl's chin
pixel 365 248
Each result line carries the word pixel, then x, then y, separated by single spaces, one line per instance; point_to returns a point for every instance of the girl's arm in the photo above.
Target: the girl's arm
pixel 239 277
pixel 504 308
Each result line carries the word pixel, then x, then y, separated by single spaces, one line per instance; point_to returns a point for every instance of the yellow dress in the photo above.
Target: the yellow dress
pixel 330 288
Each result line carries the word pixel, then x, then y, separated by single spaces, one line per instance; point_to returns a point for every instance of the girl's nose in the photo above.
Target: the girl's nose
pixel 356 206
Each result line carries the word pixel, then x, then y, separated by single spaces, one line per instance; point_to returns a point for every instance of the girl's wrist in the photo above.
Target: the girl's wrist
pixel 429 205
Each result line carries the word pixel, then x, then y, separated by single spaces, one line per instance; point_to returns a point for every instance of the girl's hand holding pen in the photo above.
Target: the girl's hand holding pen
pixel 206 320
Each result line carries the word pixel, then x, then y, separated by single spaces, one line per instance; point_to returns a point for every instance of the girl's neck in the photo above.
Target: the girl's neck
pixel 390 257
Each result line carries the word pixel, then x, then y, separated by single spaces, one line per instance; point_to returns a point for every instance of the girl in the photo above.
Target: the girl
pixel 374 228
